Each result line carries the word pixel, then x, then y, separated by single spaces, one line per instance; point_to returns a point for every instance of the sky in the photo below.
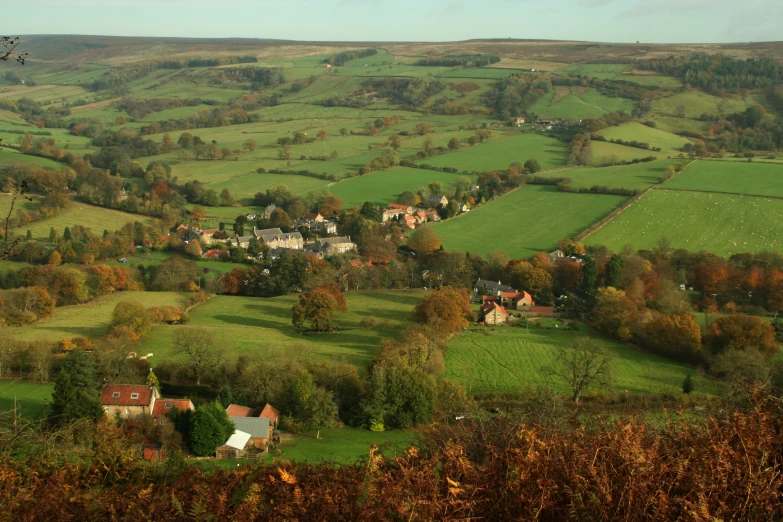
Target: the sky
pixel 647 21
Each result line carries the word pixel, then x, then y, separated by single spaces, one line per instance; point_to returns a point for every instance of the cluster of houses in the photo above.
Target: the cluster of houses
pixel 498 300
pixel 254 429
pixel 274 239
pixel 412 216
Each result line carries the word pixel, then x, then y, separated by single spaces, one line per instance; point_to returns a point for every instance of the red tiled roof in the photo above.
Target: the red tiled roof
pixel 488 307
pixel 270 412
pixel 511 295
pixel 120 395
pixel 164 406
pixel 488 298
pixel 235 410
pixel 398 206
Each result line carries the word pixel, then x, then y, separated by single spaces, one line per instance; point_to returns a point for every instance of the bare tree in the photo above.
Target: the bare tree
pixel 583 364
pixel 10 246
pixel 202 348
pixel 8 45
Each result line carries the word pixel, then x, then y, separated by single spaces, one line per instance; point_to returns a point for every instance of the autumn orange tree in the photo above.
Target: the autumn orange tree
pixel 446 310
pixel 424 241
pixel 742 332
pixel 317 307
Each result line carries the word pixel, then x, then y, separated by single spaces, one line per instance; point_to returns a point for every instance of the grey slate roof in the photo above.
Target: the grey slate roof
pixel 257 427
pixel 492 286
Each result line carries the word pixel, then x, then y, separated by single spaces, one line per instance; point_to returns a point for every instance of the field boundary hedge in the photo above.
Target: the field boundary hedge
pixel 592 229
pixel 722 192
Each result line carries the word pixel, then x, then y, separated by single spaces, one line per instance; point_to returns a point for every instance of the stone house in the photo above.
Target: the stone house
pixel 276 238
pixel 163 407
pixel 492 313
pixel 336 245
pixel 521 301
pixel 268 211
pixel 242 241
pixel 434 200
pixel 129 400
pixel 486 287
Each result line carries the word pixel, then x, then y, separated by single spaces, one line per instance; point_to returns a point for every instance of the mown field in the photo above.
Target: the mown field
pixel 89 320
pixel 605 153
pixel 728 176
pixel 12 156
pixel 635 131
pixel 636 176
pixel 603 71
pixel 261 328
pixel 507 359
pixel 717 223
pixel 31 398
pixel 383 187
pixel 695 103
pixel 344 446
pixel 527 221
pixel 498 153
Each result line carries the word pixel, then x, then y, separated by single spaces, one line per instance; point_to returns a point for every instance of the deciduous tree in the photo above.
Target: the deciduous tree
pixel 201 346
pixel 584 364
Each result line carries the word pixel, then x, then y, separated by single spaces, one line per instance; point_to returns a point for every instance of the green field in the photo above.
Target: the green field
pixel 580 105
pixel 606 153
pixel 89 320
pixel 506 359
pixel 262 327
pixel 344 446
pixel 696 103
pixel 12 156
pixel 718 223
pixel 498 153
pixel 31 398
pixel 727 176
pixel 524 222
pixel 246 186
pixel 602 71
pixel 383 187
pixel 96 219
pixel 635 131
pixel 636 176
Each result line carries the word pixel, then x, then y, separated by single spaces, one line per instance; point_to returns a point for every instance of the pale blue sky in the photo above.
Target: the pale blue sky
pixel 653 21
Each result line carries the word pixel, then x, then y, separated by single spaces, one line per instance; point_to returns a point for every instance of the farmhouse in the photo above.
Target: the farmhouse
pixel 410 221
pixel 486 287
pixel 334 245
pixel 207 235
pixel 234 447
pixel 163 407
pixel 434 200
pixel 395 210
pixel 314 216
pixel 259 429
pixel 128 400
pixel 268 211
pixel 519 121
pixel 271 413
pixel 517 300
pixel 276 238
pixel 242 241
pixel 493 313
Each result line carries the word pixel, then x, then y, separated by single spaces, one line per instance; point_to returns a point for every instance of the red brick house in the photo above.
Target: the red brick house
pixel 271 413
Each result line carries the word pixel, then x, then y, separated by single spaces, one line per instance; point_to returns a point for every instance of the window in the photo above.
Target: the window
pixel 134 395
pixel 115 395
pixel 167 404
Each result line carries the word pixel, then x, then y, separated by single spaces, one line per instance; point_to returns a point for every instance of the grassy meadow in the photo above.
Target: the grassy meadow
pixel 383 187
pixel 500 152
pixel 262 327
pixel 635 176
pixel 96 219
pixel 727 176
pixel 90 320
pixel 527 221
pixel 578 103
pixel 506 359
pixel 635 131
pixel 718 223
pixel 32 398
